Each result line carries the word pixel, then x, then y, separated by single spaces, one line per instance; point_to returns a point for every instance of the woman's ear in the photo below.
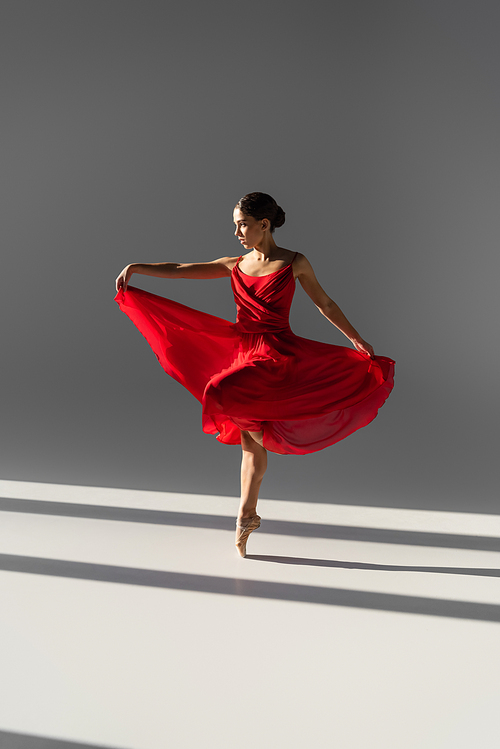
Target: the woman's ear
pixel 266 224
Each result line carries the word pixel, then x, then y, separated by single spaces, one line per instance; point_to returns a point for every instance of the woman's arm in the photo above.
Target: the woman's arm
pixel 214 269
pixel 327 307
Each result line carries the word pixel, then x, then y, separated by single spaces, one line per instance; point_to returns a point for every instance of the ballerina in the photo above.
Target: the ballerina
pixel 259 384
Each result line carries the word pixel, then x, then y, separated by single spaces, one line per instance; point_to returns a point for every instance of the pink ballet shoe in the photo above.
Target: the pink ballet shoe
pixel 243 530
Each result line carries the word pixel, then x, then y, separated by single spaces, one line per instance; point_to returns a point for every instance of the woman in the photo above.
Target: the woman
pixel 260 385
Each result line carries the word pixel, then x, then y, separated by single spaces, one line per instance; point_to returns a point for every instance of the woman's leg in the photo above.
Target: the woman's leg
pixel 253 468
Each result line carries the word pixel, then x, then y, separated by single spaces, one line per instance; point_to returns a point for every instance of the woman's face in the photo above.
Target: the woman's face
pixel 249 230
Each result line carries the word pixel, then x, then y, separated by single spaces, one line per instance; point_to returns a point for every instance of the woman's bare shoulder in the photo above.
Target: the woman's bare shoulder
pixel 301 265
pixel 228 262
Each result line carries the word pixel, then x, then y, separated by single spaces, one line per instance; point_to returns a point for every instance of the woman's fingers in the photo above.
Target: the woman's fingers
pixel 364 348
pixel 121 281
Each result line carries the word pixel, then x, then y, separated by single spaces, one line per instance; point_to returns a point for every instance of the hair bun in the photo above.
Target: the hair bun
pixel 260 205
pixel 280 217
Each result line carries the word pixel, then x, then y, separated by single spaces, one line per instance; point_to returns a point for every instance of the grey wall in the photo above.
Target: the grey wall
pixel 129 131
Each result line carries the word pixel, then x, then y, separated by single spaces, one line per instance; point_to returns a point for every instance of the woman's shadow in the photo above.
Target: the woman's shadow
pixel 478 571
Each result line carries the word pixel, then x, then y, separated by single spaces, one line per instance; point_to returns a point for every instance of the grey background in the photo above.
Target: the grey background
pixel 129 131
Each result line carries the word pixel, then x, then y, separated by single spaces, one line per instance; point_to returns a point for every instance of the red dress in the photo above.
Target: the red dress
pixel 256 374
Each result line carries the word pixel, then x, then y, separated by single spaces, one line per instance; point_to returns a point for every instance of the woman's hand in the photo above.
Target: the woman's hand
pixel 363 347
pixel 124 278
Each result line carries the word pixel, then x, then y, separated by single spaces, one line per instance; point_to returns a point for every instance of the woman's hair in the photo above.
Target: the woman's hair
pixel 260 205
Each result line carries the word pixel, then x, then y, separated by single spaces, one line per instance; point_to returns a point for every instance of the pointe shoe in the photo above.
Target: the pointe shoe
pixel 243 530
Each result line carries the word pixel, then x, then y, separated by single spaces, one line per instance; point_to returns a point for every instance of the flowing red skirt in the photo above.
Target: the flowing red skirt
pixel 304 395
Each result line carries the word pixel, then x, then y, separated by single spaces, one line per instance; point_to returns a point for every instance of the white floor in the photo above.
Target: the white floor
pixel 127 620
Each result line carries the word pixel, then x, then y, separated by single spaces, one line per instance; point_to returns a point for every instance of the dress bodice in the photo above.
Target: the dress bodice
pixel 263 302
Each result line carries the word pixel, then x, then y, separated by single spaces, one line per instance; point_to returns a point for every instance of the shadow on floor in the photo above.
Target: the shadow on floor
pixel 12 740
pixel 279 527
pixel 252 588
pixel 477 571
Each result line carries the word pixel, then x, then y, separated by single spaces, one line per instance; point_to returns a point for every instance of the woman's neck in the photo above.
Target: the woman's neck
pixel 266 248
